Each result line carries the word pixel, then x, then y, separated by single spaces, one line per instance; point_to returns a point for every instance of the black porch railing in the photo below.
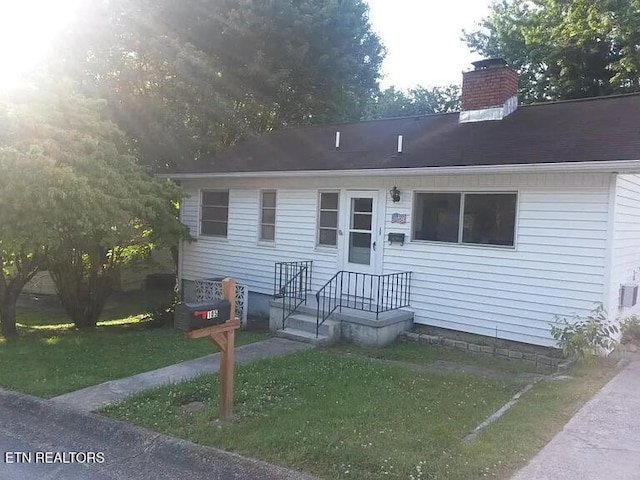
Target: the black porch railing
pixel 363 291
pixel 292 283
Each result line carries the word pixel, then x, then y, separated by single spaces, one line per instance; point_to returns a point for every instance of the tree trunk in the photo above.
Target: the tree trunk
pixel 83 283
pixel 25 268
pixel 8 316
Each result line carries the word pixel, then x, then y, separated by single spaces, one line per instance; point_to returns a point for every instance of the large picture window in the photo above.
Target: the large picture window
pixel 268 216
pixel 473 218
pixel 328 219
pixel 214 216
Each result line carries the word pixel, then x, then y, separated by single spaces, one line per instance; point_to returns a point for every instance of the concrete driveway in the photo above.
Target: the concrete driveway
pixel 602 440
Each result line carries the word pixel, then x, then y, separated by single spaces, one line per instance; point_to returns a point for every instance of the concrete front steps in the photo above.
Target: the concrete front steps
pixel 349 325
pixel 301 326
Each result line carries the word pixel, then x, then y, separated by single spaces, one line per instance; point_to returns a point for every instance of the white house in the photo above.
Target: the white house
pixel 510 215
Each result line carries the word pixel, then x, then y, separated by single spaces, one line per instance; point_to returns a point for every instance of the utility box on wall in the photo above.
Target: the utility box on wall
pixel 628 295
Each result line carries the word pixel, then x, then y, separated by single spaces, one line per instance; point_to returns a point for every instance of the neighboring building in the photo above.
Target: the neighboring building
pixel 510 215
pixel 131 277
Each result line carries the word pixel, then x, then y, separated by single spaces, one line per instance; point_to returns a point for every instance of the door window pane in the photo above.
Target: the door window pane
pixel 361 221
pixel 360 248
pixel 363 205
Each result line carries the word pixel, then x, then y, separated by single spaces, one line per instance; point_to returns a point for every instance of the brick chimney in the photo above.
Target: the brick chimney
pixel 489 92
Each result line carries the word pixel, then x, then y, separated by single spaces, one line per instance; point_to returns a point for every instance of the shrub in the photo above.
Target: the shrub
pixel 162 315
pixel 581 337
pixel 630 328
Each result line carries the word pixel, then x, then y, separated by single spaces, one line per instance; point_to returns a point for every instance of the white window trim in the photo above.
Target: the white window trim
pixel 319 245
pixel 463 194
pixel 200 205
pixel 266 241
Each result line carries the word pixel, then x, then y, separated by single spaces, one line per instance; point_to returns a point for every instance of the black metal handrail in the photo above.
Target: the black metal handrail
pixel 285 271
pixel 363 291
pixel 292 283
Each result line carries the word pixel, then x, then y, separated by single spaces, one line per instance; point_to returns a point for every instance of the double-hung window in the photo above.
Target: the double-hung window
pixel 268 215
pixel 328 219
pixel 214 214
pixel 471 218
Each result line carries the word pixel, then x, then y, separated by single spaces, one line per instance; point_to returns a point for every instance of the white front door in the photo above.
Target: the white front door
pixel 359 235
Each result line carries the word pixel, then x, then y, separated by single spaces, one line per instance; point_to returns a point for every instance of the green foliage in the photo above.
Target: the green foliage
pixel 564 49
pixel 97 208
pixel 188 78
pixel 630 328
pixel 583 337
pixel 162 315
pixel 417 101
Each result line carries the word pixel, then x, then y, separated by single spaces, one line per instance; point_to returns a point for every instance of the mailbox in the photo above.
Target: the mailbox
pixel 192 316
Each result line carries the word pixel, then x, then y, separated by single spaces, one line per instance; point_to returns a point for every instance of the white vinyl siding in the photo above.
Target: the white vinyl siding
pixel 556 267
pixel 253 264
pixel 625 265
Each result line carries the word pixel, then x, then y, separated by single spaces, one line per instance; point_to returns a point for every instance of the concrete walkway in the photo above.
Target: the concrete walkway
pixel 92 398
pixel 601 441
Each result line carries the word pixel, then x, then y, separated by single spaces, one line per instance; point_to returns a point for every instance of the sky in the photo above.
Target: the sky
pixel 422 37
pixel 27 28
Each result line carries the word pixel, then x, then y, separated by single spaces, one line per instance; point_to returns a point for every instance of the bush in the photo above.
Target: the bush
pixel 581 337
pixel 630 328
pixel 162 315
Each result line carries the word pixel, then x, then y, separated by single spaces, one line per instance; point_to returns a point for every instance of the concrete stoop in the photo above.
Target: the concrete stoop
pixel 350 325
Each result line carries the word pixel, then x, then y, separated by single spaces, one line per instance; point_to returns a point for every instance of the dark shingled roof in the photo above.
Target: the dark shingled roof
pixel 598 129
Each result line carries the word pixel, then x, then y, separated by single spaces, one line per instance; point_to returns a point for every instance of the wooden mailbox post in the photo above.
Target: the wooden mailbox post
pixel 223 336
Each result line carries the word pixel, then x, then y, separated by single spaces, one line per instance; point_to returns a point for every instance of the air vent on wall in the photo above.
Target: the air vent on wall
pixel 628 295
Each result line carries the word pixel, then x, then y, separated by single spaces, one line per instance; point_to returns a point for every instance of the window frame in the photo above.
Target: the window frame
pixel 268 241
pixel 202 205
pixel 463 194
pixel 319 211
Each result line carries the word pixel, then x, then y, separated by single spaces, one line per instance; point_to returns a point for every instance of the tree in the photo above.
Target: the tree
pixel 416 101
pixel 565 49
pixel 188 78
pixel 103 209
pixel 26 186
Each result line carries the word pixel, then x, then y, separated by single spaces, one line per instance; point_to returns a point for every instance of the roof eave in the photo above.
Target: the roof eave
pixel 615 166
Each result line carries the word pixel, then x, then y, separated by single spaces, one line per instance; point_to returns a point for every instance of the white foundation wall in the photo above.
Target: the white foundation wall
pixel 557 266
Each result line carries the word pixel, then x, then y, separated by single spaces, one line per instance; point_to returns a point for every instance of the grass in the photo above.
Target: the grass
pixel 51 357
pixel 415 353
pixel 338 414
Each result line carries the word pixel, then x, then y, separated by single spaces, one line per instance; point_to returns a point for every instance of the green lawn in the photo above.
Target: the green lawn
pixel 345 416
pixel 415 353
pixel 51 357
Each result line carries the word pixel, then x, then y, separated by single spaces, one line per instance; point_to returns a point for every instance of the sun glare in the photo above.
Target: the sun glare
pixel 27 29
